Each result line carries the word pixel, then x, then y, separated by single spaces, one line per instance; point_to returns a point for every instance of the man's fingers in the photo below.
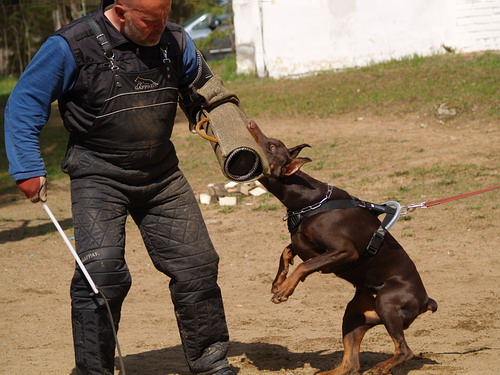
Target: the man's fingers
pixel 43 189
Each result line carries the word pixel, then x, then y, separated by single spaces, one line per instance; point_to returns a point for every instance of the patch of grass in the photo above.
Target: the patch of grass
pixel 413 84
pixel 337 175
pixel 318 166
pixel 6 86
pixel 407 234
pixel 226 210
pixel 267 207
pixel 446 182
pixel 370 180
pixel 399 173
pixel 438 181
pixel 474 207
pixel 226 68
pixel 266 197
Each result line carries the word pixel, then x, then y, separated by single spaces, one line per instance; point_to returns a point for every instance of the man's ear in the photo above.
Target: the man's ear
pixel 295 165
pixel 119 12
pixel 294 151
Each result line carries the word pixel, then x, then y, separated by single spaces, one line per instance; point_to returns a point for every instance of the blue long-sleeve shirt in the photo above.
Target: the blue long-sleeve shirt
pixel 47 77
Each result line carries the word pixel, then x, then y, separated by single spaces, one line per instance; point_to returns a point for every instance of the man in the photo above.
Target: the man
pixel 118 77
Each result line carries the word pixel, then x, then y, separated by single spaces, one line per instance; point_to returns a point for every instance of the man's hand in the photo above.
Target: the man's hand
pixel 34 188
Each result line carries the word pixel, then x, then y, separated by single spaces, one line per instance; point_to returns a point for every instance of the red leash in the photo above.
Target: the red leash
pixel 412 207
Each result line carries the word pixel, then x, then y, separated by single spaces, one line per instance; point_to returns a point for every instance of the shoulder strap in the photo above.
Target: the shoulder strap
pixel 101 38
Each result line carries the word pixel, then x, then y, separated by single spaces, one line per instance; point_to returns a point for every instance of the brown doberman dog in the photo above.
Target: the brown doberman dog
pixel 389 289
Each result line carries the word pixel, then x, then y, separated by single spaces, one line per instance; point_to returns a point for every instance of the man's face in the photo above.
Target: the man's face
pixel 143 21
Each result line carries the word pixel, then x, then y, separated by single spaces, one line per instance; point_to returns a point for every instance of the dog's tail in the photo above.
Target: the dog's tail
pixel 432 305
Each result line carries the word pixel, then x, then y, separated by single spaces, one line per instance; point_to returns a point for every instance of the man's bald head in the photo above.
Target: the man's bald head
pixel 141 21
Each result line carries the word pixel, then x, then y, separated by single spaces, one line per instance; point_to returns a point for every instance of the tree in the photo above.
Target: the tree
pixel 23 25
pixel 26 24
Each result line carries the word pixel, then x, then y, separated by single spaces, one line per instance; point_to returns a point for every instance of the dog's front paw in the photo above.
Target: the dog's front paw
pixel 378 371
pixel 278 281
pixel 285 290
pixel 274 288
pixel 278 298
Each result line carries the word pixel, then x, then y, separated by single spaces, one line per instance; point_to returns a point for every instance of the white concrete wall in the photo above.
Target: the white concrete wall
pixel 279 38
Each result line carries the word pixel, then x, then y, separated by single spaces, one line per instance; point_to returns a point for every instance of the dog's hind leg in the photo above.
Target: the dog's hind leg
pixel 359 317
pixel 402 353
pixel 396 319
pixel 286 260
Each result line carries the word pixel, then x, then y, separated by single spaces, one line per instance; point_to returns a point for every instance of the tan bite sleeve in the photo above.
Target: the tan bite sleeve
pixel 240 157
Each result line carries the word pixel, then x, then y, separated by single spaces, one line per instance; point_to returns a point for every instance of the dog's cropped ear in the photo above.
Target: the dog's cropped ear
pixel 294 151
pixel 295 165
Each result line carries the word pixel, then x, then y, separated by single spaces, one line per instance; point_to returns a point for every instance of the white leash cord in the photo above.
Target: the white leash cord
pixel 70 247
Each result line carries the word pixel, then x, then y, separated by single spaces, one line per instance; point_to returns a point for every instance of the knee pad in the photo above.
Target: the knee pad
pixel 108 270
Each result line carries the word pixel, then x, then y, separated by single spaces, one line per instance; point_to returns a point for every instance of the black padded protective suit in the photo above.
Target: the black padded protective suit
pixel 120 159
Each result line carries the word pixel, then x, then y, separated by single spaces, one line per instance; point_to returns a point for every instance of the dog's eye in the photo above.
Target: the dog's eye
pixel 272 148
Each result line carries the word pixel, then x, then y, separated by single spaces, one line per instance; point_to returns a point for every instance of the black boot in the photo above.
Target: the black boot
pixel 224 371
pixel 203 331
pixel 212 361
pixel 94 342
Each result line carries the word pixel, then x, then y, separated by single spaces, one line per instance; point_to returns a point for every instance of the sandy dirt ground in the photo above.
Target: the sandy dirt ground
pixel 455 247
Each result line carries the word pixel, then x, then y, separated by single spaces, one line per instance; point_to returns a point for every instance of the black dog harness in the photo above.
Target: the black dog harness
pixel 294 218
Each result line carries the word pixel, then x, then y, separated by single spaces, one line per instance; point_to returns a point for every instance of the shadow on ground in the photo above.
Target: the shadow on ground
pixel 25 229
pixel 263 356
